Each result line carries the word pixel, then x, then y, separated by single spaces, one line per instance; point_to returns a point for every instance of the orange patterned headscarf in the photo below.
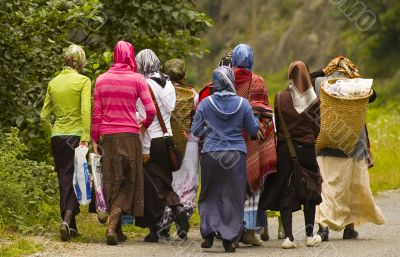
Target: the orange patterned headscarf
pixel 343 65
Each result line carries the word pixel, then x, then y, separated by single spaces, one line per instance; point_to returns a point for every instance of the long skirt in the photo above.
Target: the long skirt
pixel 157 185
pixel 346 194
pixel 254 218
pixel 123 172
pixel 223 193
pixel 279 193
pixel 185 182
pixel 63 149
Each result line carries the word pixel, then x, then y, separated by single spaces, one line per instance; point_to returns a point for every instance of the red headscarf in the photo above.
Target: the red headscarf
pixel 124 53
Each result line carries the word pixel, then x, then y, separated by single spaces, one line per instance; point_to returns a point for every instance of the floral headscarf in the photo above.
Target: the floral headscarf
pixel 175 69
pixel 75 57
pixel 242 57
pixel 124 53
pixel 223 81
pixel 227 59
pixel 147 62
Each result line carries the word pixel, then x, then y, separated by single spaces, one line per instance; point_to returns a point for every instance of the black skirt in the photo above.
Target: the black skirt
pixel 157 185
pixel 279 192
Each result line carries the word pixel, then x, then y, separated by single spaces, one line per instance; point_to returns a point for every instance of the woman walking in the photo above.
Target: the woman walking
pixel 252 87
pixel 185 180
pixel 345 175
pixel 158 173
pixel 298 108
pixel 116 127
pixel 68 99
pixel 221 118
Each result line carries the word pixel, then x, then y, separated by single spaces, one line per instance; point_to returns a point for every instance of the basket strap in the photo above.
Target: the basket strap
pixel 285 129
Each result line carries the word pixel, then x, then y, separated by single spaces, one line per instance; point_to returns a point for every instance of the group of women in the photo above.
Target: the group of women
pixel 137 108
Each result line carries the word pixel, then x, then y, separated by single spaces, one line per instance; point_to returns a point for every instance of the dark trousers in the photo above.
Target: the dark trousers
pixel 63 149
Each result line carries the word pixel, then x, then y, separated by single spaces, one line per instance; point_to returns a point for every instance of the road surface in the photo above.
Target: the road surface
pixel 382 241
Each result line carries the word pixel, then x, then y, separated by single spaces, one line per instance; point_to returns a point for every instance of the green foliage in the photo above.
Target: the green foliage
pixel 33 36
pixel 383 127
pixel 28 189
pixel 377 49
pixel 170 28
pixel 35 32
pixel 20 247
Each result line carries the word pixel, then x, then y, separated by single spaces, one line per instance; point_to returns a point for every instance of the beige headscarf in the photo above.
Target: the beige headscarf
pixel 303 94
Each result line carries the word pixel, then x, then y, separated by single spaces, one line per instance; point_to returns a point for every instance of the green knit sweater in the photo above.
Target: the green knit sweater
pixel 68 99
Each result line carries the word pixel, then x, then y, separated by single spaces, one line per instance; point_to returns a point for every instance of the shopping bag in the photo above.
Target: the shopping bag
pixel 81 179
pixel 97 175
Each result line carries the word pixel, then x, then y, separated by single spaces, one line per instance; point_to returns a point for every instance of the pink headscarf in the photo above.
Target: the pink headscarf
pixel 124 53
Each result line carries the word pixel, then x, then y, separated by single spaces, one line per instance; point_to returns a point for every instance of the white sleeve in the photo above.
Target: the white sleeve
pixel 169 99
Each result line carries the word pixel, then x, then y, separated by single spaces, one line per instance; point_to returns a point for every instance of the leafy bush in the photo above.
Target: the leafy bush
pixel 28 189
pixel 35 32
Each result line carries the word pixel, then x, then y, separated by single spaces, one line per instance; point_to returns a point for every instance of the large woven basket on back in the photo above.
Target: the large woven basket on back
pixel 342 120
pixel 182 116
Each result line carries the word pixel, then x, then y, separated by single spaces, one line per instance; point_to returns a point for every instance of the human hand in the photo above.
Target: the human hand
pixel 95 148
pixel 142 129
pixel 146 158
pixel 84 143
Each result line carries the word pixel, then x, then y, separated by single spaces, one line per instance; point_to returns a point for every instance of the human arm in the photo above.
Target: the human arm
pixel 46 112
pixel 373 97
pixel 96 115
pixel 85 111
pixel 198 122
pixel 147 101
pixel 169 99
pixel 251 123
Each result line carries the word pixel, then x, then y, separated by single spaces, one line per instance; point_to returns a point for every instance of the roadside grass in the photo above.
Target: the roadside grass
pixel 14 245
pixel 384 131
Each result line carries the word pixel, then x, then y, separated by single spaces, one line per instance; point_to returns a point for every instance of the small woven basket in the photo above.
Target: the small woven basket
pixel 342 120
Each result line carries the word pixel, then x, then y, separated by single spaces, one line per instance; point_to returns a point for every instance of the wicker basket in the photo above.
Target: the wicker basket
pixel 342 120
pixel 181 117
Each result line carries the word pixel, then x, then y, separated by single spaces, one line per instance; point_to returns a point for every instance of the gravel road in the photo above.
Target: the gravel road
pixel 373 241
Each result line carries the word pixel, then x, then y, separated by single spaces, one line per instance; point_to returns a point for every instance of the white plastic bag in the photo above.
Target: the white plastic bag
pixel 97 174
pixel 81 181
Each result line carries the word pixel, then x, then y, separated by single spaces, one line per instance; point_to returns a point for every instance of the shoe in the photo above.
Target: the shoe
pixel 64 232
pixel 208 241
pixel 287 244
pixel 265 235
pixel 114 220
pixel 73 232
pixel 281 233
pixel 324 233
pixel 165 234
pixel 350 233
pixel 228 246
pixel 152 237
pixel 250 238
pixel 120 235
pixel 182 222
pixel 313 240
pixel 102 217
pixel 111 237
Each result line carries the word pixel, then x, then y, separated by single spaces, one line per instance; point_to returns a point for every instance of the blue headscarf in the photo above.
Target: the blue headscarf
pixel 223 81
pixel 242 56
